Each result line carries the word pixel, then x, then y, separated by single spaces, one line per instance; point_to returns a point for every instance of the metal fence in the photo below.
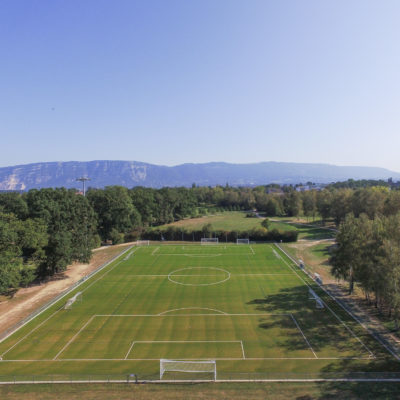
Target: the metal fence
pixel 221 377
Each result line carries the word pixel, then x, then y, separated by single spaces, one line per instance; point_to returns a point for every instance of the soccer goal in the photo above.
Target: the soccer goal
pixel 242 241
pixel 313 296
pixel 209 240
pixel 142 242
pixel 203 367
pixel 72 300
pixel 318 278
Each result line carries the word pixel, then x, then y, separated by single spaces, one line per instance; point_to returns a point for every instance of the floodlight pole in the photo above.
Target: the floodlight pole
pixel 83 179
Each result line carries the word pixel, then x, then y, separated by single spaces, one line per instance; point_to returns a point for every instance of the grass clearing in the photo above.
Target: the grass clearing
pixel 227 220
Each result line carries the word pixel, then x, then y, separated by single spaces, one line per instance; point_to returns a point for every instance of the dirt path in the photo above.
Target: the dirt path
pixel 25 301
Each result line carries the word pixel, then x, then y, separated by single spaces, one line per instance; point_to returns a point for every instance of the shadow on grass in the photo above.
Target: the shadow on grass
pixel 322 329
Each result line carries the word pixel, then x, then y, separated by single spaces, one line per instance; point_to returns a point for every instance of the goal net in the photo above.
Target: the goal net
pixel 313 296
pixel 209 367
pixel 209 240
pixel 72 300
pixel 242 241
pixel 142 242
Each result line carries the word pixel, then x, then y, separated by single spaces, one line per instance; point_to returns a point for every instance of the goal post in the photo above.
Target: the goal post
pixel 242 241
pixel 207 366
pixel 72 300
pixel 142 242
pixel 209 241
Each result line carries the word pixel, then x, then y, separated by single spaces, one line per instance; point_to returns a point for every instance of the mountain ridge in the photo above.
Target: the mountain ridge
pixel 136 173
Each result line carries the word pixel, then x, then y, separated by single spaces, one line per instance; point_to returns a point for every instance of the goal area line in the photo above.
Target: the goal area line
pixel 166 314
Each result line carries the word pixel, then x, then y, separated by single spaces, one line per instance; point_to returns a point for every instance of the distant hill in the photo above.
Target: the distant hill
pixel 133 173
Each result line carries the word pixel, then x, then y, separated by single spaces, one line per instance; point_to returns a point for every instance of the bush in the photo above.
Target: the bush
pixel 116 237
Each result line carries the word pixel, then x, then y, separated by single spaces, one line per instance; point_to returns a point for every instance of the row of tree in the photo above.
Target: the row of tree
pixel 43 231
pixel 368 253
pixel 256 234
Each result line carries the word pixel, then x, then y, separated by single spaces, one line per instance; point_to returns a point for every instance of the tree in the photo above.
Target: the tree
pixel 114 210
pixel 324 204
pixel 309 200
pixel 265 223
pixel 348 257
pixel 71 227
pixel 207 230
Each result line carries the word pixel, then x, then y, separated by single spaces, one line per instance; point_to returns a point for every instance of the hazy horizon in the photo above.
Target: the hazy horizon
pixel 207 162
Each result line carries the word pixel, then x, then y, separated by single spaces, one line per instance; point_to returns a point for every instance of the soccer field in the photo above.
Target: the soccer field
pixel 245 306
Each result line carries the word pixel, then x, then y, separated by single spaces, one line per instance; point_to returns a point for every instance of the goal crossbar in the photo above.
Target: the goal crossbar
pixel 242 241
pixel 207 366
pixel 209 241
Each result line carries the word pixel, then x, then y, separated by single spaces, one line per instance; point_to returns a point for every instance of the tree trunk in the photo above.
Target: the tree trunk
pixel 351 285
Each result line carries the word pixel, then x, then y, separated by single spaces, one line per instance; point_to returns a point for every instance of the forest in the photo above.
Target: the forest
pixel 43 231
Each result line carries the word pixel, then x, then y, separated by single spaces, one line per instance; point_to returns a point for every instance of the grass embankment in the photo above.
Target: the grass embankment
pixel 315 255
pixel 246 391
pixel 237 221
pixel 229 221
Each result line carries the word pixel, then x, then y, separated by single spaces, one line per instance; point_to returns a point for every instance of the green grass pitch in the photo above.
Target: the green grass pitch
pixel 245 306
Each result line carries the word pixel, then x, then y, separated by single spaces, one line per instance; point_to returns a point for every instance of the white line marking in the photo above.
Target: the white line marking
pixel 73 338
pixel 33 330
pixel 192 308
pixel 190 359
pixel 190 315
pixel 155 251
pixel 130 348
pixel 172 274
pixel 241 343
pixel 51 304
pixel 55 312
pixel 304 336
pixel 291 274
pixel 276 254
pixel 252 250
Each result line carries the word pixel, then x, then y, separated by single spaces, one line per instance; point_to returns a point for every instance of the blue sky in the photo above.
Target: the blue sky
pixel 169 82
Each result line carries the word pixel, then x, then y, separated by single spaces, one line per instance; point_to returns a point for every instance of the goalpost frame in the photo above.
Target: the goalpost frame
pixel 174 367
pixel 243 241
pixel 209 241
pixel 142 242
pixel 72 300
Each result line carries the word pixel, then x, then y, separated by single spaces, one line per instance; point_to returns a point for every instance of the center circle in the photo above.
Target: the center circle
pixel 199 276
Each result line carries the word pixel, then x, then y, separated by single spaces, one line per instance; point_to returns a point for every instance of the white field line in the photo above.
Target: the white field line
pixel 304 336
pixel 222 314
pixel 51 304
pixel 187 341
pixel 276 254
pixel 252 250
pixel 111 269
pixel 155 250
pixel 329 308
pixel 73 338
pixel 241 343
pixel 130 348
pixel 232 274
pixel 291 274
pixel 191 359
pixel 33 330
pixel 192 308
pixel 191 255
pixel 187 381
